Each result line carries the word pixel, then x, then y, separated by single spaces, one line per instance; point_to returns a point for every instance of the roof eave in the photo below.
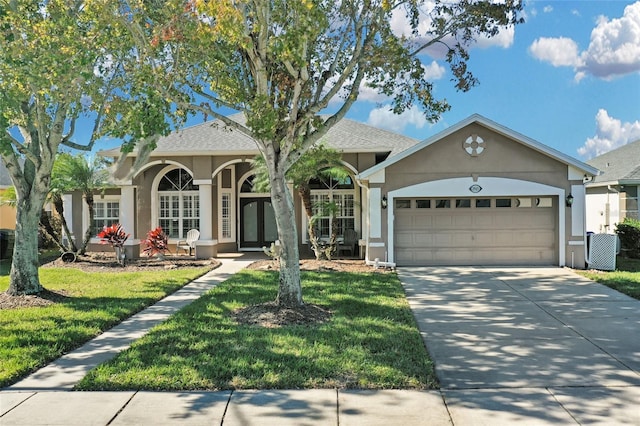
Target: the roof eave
pixel 492 125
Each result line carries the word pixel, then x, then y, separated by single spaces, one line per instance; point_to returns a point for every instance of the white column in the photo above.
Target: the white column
pixel 127 211
pixel 206 211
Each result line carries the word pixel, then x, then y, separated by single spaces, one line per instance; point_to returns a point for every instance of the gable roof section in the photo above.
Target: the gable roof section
pixel 622 165
pixel 491 125
pixel 213 138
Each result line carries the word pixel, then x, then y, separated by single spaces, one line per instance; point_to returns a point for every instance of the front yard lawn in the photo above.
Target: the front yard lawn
pixel 30 337
pixel 371 341
pixel 625 279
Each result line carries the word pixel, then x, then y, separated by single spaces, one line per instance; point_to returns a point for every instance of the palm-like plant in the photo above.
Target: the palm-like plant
pixel 76 172
pixel 320 162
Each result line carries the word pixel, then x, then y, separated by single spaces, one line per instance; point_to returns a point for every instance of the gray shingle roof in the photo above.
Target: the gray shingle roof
pixel 621 164
pixel 213 138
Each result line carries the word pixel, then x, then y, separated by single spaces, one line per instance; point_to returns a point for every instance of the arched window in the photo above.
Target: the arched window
pixel 339 193
pixel 179 203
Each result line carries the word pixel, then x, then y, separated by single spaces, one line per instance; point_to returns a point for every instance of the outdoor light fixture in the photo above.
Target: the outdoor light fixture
pixel 569 200
pixel 384 201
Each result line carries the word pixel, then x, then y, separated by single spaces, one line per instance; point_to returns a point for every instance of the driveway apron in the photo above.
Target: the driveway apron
pixel 540 341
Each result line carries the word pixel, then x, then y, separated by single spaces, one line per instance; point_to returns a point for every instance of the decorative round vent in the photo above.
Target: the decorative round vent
pixel 474 145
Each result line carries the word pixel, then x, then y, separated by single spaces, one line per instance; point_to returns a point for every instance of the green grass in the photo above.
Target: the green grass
pixel 32 337
pixel 371 341
pixel 625 279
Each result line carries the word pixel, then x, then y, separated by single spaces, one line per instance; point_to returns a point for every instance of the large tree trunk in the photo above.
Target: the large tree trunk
pixel 24 277
pixel 290 289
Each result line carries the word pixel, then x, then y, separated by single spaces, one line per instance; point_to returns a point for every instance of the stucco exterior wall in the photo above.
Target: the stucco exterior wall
pixel 502 158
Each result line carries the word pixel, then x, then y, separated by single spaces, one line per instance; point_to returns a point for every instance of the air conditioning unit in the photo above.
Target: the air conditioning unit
pixel 603 249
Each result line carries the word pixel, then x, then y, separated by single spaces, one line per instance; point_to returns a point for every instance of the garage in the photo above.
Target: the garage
pixel 476 230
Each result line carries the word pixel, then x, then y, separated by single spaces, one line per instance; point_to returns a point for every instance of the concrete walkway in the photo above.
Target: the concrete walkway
pixel 66 371
pixel 528 346
pixel 511 346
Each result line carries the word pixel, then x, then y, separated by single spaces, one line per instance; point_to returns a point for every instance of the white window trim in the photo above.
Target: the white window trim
pixel 155 197
pixel 85 214
pixel 330 192
pixel 232 206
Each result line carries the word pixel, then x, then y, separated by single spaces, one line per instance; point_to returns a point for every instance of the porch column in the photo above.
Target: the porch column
pixel 127 220
pixel 206 244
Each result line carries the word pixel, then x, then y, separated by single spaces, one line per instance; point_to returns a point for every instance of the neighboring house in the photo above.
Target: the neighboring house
pixel 613 195
pixel 475 194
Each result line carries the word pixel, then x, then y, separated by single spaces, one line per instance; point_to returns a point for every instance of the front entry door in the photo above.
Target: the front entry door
pixel 257 223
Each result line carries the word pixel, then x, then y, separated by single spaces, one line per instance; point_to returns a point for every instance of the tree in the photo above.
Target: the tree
pixel 64 64
pixel 76 172
pixel 319 162
pixel 282 62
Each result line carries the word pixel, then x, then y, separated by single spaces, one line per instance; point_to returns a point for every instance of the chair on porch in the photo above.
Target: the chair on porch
pixel 190 243
pixel 350 240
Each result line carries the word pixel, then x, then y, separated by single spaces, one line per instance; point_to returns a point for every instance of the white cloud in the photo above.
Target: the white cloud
pixel 610 134
pixel 614 48
pixel 432 71
pixel 401 26
pixel 547 9
pixel 559 51
pixel 385 118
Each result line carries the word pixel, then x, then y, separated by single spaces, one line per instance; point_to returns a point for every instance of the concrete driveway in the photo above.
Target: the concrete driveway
pixel 528 345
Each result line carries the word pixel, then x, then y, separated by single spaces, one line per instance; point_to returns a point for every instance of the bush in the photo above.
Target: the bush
pixel 629 233
pixel 156 242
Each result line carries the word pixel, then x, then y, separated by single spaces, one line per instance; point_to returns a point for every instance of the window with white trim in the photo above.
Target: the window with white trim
pixel 333 199
pixel 179 204
pixel 105 213
pixel 226 203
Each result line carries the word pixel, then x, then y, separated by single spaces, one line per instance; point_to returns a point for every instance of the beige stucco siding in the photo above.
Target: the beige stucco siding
pixel 499 167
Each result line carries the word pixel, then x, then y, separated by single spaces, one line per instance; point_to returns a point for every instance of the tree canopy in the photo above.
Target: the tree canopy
pixel 64 62
pixel 284 62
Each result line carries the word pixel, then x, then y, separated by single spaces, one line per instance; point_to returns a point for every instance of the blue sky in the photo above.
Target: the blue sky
pixel 569 77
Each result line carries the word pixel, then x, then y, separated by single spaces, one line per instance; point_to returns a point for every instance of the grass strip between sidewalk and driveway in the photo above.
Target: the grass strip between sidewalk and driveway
pixel 31 337
pixel 625 279
pixel 371 341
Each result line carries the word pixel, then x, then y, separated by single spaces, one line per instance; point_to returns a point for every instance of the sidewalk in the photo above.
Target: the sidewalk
pixel 43 398
pixel 267 407
pixel 66 371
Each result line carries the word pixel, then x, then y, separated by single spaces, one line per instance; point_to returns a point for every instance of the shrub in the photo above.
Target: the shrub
pixel 115 236
pixel 629 233
pixel 156 242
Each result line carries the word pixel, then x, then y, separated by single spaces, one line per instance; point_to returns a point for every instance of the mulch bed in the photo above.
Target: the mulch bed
pixel 102 262
pixel 44 298
pixel 270 315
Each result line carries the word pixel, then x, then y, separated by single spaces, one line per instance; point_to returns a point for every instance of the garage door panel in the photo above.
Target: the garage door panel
pixel 465 221
pixel 476 236
pixel 443 222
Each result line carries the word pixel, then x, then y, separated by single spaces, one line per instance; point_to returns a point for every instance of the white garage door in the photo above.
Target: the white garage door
pixel 476 231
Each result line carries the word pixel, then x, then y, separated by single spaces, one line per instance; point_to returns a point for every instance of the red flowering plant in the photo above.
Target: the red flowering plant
pixel 115 236
pixel 156 242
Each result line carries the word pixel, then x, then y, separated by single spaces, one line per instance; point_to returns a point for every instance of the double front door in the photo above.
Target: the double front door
pixel 257 223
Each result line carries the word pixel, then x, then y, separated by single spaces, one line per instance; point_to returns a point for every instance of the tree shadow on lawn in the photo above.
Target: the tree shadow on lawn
pixel 365 345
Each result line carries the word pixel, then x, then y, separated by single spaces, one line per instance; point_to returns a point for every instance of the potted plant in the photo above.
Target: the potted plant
pixel 115 236
pixel 156 243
